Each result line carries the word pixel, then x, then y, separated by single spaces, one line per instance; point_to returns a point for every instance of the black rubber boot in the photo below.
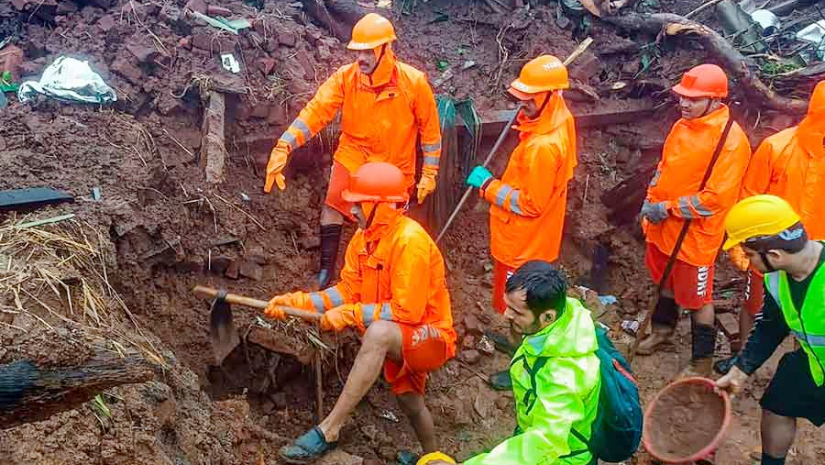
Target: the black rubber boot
pixel 666 313
pixel 330 239
pixel 704 344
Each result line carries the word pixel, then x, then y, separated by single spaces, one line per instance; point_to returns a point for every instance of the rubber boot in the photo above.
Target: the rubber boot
pixel 704 343
pixel 723 366
pixel 330 239
pixel 664 319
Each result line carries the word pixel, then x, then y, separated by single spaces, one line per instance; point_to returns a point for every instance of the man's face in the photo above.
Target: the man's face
pixel 776 259
pixel 358 212
pixel 521 318
pixel 530 108
pixel 693 108
pixel 366 61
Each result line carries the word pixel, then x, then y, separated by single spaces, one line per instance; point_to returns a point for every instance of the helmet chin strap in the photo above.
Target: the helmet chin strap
pixel 372 216
pixel 707 107
pixel 768 266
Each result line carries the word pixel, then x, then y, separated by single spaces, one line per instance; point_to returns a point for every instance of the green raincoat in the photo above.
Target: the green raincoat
pixel 556 383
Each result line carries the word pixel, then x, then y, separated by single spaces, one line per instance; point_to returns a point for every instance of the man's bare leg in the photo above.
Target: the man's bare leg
pixel 330 216
pixel 416 410
pixel 382 339
pixel 777 434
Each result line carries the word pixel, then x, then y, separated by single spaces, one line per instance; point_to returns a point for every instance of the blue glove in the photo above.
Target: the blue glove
pixel 655 212
pixel 478 176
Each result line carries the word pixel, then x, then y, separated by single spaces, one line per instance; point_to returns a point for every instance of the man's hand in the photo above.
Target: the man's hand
pixel 733 382
pixel 342 317
pixel 654 212
pixel 275 167
pixel 293 299
pixel 739 258
pixel 426 186
pixel 478 176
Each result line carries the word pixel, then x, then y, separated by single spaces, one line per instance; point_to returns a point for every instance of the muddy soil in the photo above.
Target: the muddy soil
pixel 170 231
pixel 687 418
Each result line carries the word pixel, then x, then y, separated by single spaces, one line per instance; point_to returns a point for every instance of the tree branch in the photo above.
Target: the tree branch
pixel 740 67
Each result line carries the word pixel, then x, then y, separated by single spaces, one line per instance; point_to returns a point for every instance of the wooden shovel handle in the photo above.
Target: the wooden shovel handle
pixel 211 292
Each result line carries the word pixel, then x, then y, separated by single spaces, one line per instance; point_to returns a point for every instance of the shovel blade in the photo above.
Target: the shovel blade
pixel 223 335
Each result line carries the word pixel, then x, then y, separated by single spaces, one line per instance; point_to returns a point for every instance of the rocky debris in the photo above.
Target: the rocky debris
pixel 473 325
pixel 470 356
pixel 233 270
pixel 251 270
pixel 469 342
pixel 11 57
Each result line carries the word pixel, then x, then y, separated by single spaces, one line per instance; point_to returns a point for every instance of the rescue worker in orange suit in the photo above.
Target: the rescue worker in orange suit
pixel 528 203
pixel 394 292
pixel 790 164
pixel 674 196
pixel 386 106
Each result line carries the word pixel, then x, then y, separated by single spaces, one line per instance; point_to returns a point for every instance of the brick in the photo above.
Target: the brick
pixel 11 57
pixel 251 270
pixel 220 264
pixel 124 66
pixel 471 356
pixel 287 38
pixel 233 270
pixel 276 115
pixel 266 65
pixel 144 53
pixel 213 147
pixel 106 23
pixel 473 325
pixel 215 10
pixel 196 5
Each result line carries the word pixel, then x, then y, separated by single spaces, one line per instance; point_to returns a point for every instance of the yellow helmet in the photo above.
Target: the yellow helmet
pixel 371 31
pixel 433 456
pixel 760 215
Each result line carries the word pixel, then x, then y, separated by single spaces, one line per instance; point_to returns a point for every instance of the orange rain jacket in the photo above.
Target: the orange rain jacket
pixel 396 267
pixel 381 116
pixel 529 202
pixel 685 159
pixel 791 164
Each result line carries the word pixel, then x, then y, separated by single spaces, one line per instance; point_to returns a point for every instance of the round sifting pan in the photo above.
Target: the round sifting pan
pixel 686 421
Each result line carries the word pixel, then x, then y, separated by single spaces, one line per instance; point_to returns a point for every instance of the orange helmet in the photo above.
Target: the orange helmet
pixel 371 31
pixel 542 74
pixel 703 81
pixel 376 182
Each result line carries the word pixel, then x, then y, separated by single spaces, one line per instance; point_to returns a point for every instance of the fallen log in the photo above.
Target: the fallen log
pixel 338 15
pixel 740 67
pixel 29 392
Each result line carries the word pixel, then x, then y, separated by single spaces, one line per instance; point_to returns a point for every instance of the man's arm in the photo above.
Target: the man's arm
pixel 533 198
pixel 722 189
pixel 317 113
pixel 429 129
pixel 348 289
pixel 770 330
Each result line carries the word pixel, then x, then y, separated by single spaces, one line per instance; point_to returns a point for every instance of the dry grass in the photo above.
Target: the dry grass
pixel 62 268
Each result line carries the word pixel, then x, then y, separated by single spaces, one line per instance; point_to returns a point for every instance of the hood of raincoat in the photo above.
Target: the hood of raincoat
pixel 385 216
pixel 812 129
pixel 383 73
pixel 574 334
pixel 555 114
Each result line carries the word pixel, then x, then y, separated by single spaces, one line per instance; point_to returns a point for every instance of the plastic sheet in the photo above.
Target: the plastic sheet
pixel 71 80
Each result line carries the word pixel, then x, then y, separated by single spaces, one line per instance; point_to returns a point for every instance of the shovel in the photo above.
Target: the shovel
pixel 223 335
